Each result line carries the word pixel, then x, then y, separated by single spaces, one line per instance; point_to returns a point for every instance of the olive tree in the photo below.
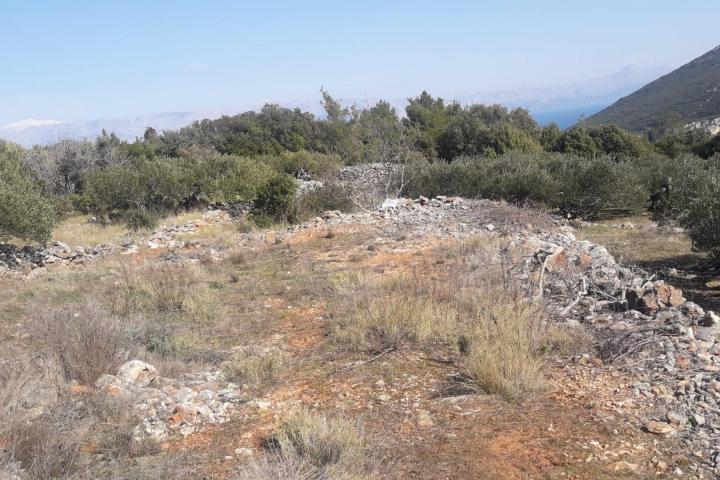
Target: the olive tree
pixel 24 212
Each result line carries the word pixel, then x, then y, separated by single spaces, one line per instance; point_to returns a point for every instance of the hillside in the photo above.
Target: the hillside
pixel 690 93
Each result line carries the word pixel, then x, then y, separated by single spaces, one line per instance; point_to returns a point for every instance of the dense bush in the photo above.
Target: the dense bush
pixel 275 199
pixel 576 186
pixel 24 211
pixel 294 163
pixel 702 218
pixel 689 194
pixel 708 148
pixel 594 141
pixel 488 131
pixel 144 189
pixel 498 153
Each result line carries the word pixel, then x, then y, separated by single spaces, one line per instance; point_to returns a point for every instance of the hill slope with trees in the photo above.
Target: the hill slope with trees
pixel 690 93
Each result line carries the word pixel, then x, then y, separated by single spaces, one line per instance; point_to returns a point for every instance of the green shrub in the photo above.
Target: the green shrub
pixel 24 212
pixel 575 186
pixel 140 192
pixel 140 219
pixel 702 219
pixel 673 184
pixel 275 198
pixel 155 186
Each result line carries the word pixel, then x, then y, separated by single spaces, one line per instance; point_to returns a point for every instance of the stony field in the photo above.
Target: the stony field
pixel 438 339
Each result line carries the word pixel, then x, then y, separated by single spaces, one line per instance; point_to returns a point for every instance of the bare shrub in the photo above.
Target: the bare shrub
pixel 42 450
pixel 86 341
pixel 313 447
pixel 27 385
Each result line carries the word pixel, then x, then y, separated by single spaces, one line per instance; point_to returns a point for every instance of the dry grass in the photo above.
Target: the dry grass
pixel 78 231
pixel 86 341
pixel 27 385
pixel 42 450
pixel 254 369
pixel 467 307
pixel 639 243
pixel 53 445
pixel 381 315
pixel 313 447
pixel 504 336
pixel 161 289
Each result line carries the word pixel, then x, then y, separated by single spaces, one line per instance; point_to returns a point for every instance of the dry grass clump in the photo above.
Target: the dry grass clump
pixel 27 385
pixel 86 341
pixel 254 369
pixel 313 447
pixel 383 315
pixel 471 309
pixel 503 347
pixel 167 289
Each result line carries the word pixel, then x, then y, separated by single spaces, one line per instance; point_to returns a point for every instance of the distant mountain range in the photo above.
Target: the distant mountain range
pixel 563 104
pixel 41 132
pixel 690 94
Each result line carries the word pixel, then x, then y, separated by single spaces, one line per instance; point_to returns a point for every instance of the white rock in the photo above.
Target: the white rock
pixel 137 372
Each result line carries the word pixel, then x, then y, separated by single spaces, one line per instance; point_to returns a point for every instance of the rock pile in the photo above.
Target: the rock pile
pixel 234 209
pixel 168 406
pixel 32 257
pixel 367 174
pixel 166 236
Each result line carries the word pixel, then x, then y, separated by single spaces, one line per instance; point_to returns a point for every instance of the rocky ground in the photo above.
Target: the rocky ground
pixel 641 400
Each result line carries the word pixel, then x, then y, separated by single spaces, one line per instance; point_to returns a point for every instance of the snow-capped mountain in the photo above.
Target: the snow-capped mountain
pixel 40 132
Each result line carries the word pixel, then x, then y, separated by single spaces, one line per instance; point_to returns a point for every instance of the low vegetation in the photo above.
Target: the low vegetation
pixel 498 336
pixel 86 341
pixel 309 446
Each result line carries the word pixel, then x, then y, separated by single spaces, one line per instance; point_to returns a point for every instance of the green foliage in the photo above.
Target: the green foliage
pixel 487 131
pixel 427 118
pixel 708 148
pixel 141 191
pixel 592 141
pixel 275 199
pixel 24 212
pixel 689 194
pixel 576 186
pixel 293 163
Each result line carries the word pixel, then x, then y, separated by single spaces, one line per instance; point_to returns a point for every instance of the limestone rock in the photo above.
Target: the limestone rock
pixel 137 373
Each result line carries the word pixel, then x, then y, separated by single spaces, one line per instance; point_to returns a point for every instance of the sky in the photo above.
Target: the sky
pixel 79 60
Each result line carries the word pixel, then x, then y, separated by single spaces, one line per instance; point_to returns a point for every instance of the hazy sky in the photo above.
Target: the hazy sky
pixel 79 60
